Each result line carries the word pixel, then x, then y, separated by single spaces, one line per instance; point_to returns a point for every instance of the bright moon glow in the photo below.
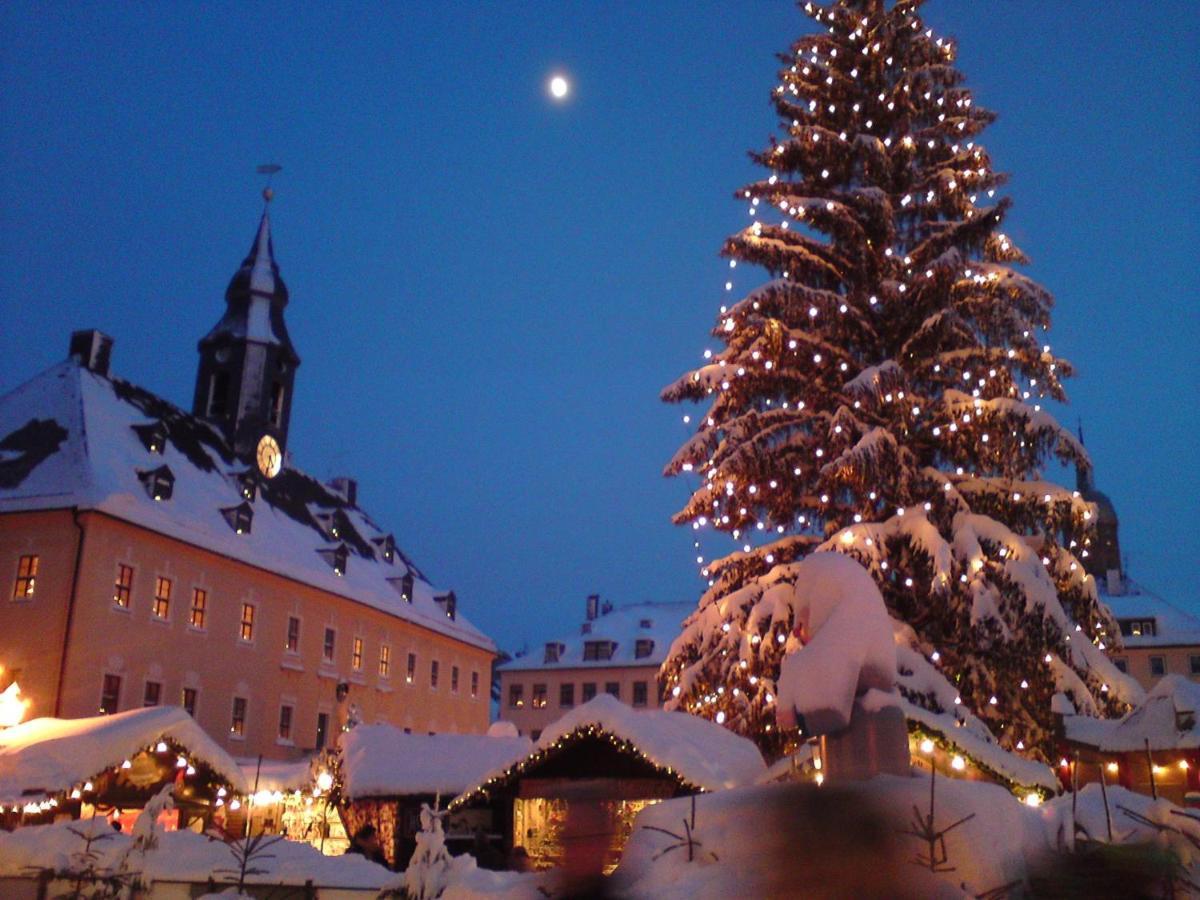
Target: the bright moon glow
pixel 559 87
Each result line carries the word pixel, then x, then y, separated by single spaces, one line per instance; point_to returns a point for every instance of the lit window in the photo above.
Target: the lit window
pixel 23 587
pixel 474 684
pixel 162 597
pixel 199 612
pixel 589 690
pixel 110 694
pixel 433 673
pixel 516 696
pixel 356 654
pixel 539 696
pixel 639 693
pixel 237 724
pixel 410 671
pixel 329 645
pixel 152 694
pixel 247 626
pixel 285 722
pixel 189 701
pixel 454 679
pixel 124 586
pixel 566 695
pixel 385 661
pixel 292 642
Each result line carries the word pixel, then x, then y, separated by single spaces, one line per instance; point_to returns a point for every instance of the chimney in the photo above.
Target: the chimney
pixel 91 349
pixel 346 488
pixel 593 606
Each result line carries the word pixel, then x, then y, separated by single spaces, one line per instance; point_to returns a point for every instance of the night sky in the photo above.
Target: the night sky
pixel 489 289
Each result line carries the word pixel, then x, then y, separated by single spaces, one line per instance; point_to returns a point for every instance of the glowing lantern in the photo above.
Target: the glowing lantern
pixel 12 706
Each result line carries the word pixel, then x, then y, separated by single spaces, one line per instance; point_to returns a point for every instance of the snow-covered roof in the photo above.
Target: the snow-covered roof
pixel 1167 718
pixel 624 626
pixel 49 756
pixel 697 751
pixel 68 439
pixel 383 761
pixel 1172 626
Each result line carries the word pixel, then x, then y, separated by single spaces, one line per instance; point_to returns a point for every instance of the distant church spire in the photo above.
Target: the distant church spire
pixel 247 360
pixel 1084 482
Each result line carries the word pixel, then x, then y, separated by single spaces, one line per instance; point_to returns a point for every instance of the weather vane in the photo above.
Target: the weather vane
pixel 269 169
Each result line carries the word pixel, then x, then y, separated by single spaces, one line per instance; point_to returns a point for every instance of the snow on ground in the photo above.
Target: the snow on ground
pixel 55 755
pixel 701 752
pixel 1166 718
pixel 771 840
pixel 384 761
pixel 181 856
pixel 846 641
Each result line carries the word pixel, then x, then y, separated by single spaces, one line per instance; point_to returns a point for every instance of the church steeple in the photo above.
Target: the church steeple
pixel 247 361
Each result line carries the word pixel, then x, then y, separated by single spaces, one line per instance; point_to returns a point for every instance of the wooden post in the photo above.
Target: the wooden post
pixel 1150 763
pixel 1104 796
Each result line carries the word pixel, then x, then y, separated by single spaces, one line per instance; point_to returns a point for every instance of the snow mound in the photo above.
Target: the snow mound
pixel 54 755
pixel 847 642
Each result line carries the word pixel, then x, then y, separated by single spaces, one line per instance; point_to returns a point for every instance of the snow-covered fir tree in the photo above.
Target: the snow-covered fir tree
pixel 881 394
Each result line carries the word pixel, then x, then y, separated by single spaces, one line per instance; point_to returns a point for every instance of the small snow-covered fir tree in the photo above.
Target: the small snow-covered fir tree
pixel 881 395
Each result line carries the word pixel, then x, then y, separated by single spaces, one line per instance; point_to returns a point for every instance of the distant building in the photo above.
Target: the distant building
pixel 152 556
pixel 1159 638
pixel 615 651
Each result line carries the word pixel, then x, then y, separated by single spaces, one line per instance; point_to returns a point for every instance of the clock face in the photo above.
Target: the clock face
pixel 269 456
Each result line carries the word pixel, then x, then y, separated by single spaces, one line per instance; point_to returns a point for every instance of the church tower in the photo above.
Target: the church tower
pixel 247 361
pixel 1104 558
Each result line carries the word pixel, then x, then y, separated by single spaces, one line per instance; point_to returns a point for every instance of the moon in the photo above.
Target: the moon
pixel 559 87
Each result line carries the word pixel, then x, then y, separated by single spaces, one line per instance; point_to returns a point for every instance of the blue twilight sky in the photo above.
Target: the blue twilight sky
pixel 489 289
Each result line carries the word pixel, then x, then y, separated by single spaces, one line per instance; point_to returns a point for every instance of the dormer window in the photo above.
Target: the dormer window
pixel 239 517
pixel 159 483
pixel 337 557
pixel 328 524
pixel 553 651
pixel 449 602
pixel 403 586
pixel 646 623
pixel 586 628
pixel 598 650
pixel 152 435
pixel 643 648
pixel 247 484
pixel 387 548
pixel 1138 627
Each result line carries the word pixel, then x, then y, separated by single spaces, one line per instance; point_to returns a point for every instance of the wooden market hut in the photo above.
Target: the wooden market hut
pixel 1153 749
pixel 111 766
pixel 579 788
pixel 383 775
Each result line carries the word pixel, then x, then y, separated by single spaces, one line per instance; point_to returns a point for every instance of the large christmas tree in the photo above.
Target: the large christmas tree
pixel 881 395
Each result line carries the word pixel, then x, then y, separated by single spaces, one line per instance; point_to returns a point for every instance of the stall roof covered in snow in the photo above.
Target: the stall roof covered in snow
pixel 1167 718
pixel 50 756
pixel 277 775
pixel 1135 605
pixel 625 627
pixel 72 438
pixel 383 761
pixel 699 752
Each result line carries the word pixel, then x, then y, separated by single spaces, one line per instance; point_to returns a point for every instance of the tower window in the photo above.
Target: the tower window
pixel 27 569
pixel 218 394
pixel 276 404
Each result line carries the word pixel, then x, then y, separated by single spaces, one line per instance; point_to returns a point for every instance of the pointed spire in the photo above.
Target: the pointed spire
pixel 1083 471
pixel 263 269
